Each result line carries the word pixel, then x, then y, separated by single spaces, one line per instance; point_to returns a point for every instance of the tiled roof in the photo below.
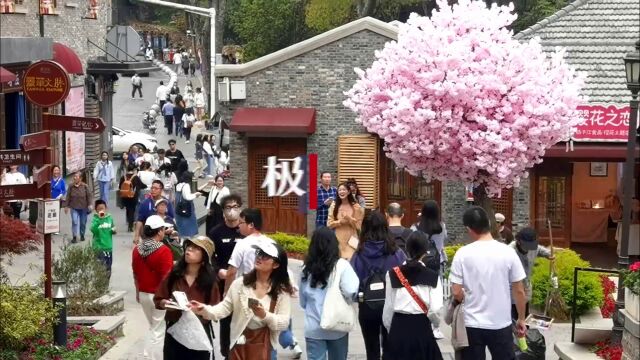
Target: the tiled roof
pixel 597 35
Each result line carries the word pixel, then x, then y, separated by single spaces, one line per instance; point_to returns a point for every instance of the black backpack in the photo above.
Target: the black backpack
pixel 401 238
pixel 432 258
pixel 374 286
pixel 183 207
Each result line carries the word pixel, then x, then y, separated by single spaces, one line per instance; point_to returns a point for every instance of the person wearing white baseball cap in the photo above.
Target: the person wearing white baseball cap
pixel 260 302
pixel 151 262
pixel 505 232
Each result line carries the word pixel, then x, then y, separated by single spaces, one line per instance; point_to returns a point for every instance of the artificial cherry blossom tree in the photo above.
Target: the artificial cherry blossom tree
pixel 457 98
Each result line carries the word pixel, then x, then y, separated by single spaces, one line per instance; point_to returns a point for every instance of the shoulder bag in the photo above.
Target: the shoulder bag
pixel 183 207
pixel 337 313
pixel 409 289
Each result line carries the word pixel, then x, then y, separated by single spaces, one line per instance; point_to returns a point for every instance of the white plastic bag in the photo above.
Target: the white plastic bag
pixel 189 332
pixel 337 313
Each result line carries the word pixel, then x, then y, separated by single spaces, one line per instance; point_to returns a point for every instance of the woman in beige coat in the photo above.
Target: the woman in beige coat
pixel 345 217
pixel 260 302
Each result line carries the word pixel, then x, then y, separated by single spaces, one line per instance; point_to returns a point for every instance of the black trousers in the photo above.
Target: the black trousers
pixel 225 328
pixel 500 343
pixel 130 206
pixel 514 311
pixel 168 123
pixel 174 350
pixel 133 91
pixel 372 330
pixel 187 133
pixel 16 206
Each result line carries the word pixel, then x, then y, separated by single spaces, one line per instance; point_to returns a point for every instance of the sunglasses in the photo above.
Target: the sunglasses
pixel 263 255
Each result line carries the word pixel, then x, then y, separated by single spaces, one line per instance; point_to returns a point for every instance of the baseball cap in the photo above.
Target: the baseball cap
pixel 528 239
pixel 202 242
pixel 500 218
pixel 267 247
pixel 156 222
pixel 161 200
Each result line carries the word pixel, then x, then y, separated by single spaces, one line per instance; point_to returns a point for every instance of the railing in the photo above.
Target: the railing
pixel 575 292
pixel 446 288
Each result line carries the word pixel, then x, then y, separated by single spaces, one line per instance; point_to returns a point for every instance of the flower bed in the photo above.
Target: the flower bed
pixel 608 306
pixel 83 343
pixel 608 351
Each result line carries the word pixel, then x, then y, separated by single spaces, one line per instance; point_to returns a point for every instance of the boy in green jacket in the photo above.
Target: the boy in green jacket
pixel 103 228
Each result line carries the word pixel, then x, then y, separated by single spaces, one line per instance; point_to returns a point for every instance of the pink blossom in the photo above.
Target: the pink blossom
pixel 457 98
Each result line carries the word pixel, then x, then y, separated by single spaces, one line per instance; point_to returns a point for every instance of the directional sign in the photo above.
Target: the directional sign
pixel 20 157
pixel 73 123
pixel 42 175
pixel 35 141
pixel 20 192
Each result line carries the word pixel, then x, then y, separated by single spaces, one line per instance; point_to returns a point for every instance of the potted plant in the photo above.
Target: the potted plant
pixel 632 290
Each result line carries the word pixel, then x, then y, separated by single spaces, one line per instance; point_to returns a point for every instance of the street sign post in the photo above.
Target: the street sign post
pixel 35 141
pixel 48 216
pixel 42 176
pixel 21 192
pixel 19 157
pixel 73 123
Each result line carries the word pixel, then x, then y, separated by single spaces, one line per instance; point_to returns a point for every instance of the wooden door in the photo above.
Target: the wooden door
pixel 278 213
pixel 409 191
pixel 552 201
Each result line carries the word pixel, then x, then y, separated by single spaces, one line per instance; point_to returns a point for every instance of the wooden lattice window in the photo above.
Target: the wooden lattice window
pixel 261 198
pixel 504 205
pixel 358 158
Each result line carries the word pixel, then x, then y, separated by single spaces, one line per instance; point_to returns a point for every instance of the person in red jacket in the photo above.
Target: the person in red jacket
pixel 151 262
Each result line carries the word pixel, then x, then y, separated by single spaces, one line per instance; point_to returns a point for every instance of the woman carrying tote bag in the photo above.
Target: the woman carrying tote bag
pixel 260 302
pixel 326 278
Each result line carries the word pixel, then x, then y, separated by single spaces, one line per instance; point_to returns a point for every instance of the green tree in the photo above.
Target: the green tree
pixel 265 26
pixel 324 15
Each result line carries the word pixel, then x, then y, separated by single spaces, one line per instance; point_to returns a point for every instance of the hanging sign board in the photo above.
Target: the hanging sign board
pixel 48 216
pixel 603 123
pixel 46 83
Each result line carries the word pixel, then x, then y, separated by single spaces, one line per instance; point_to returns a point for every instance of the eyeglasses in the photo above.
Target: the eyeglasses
pixel 231 207
pixel 263 255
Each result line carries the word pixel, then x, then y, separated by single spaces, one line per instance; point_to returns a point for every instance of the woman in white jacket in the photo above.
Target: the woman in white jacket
pixel 260 302
pixel 185 210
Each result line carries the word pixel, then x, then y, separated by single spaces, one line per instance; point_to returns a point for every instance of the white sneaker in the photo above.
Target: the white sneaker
pixel 186 142
pixel 438 334
pixel 297 351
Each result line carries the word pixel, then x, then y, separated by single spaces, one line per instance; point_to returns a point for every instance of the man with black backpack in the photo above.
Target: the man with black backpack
pixel 399 233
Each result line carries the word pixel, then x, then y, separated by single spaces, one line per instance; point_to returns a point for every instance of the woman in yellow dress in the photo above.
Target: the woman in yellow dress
pixel 345 217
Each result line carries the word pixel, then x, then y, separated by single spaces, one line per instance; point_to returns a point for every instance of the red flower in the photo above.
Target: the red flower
pixel 635 266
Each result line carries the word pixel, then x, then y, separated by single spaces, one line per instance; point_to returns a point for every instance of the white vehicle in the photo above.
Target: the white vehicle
pixel 123 139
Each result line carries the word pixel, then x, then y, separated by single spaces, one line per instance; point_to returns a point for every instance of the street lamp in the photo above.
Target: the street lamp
pixel 60 303
pixel 632 70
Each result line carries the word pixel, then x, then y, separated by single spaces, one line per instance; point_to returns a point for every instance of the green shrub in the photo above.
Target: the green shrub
pixel 298 244
pixel 451 252
pixel 589 294
pixel 86 279
pixel 24 313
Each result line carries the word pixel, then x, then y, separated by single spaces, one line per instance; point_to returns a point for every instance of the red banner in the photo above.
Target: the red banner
pixel 603 123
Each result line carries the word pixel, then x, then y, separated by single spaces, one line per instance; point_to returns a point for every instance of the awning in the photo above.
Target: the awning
pixel 68 58
pixel 582 151
pixel 276 121
pixel 6 75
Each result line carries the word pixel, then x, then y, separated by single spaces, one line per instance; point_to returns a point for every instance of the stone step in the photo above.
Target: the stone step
pixel 590 335
pixel 111 325
pixel 571 351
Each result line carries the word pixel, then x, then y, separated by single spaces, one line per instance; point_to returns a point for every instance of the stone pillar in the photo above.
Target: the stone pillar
pixel 630 337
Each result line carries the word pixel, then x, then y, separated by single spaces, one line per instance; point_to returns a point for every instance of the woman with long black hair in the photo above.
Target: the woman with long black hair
pixel 377 253
pixel 321 261
pixel 411 293
pixel 260 302
pixel 345 217
pixel 194 275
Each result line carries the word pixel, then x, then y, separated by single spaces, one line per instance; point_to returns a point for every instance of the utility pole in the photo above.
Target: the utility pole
pixel 211 14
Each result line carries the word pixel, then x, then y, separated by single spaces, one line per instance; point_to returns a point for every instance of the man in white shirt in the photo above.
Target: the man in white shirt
pixel 14 177
pixel 177 62
pixel 481 275
pixel 161 94
pixel 243 258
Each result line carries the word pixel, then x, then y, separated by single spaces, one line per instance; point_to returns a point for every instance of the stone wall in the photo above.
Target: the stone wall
pixel 67 27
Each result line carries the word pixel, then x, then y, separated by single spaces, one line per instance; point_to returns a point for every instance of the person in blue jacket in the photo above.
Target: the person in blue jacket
pixel 58 186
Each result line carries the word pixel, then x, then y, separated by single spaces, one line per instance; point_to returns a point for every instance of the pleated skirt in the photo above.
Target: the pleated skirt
pixel 411 338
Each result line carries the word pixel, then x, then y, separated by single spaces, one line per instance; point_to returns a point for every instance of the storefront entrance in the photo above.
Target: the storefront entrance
pixel 278 213
pixel 552 201
pixel 409 191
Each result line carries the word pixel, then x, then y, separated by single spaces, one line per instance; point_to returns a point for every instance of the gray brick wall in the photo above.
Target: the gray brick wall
pixel 315 79
pixel 68 27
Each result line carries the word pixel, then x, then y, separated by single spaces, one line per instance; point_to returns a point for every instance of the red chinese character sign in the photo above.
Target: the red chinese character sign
pixel 603 123
pixel 46 83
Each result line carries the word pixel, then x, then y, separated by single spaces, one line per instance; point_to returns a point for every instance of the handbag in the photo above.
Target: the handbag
pixel 257 342
pixel 337 313
pixel 183 207
pixel 409 289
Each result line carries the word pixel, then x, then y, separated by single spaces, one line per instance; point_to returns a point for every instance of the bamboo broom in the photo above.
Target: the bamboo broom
pixel 554 303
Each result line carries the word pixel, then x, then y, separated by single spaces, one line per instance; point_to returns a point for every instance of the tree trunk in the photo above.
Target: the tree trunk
pixel 481 199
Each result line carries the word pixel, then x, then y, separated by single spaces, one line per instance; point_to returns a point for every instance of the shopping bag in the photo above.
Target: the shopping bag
pixel 189 332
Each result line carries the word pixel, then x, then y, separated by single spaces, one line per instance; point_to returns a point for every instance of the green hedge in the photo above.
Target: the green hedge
pixel 298 244
pixel 589 294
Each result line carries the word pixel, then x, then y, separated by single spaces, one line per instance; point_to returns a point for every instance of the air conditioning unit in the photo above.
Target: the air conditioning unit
pixel 238 90
pixel 223 90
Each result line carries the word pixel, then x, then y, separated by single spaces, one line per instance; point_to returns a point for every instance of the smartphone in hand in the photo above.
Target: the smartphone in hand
pixel 253 302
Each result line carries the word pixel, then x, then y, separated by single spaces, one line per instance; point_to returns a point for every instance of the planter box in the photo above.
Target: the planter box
pixel 632 304
pixel 111 325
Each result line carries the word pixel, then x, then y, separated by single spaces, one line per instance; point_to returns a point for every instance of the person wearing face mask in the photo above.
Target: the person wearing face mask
pixel 104 175
pixel 224 236
pixel 214 197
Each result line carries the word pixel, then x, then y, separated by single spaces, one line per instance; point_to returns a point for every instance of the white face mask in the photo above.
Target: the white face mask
pixel 232 214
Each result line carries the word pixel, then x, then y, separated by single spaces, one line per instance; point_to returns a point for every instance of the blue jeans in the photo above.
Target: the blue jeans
pixel 105 186
pixel 179 127
pixel 335 349
pixel 78 222
pixel 211 165
pixel 106 258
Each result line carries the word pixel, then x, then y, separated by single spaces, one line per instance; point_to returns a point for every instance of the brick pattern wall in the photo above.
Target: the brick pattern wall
pixel 68 27
pixel 315 79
